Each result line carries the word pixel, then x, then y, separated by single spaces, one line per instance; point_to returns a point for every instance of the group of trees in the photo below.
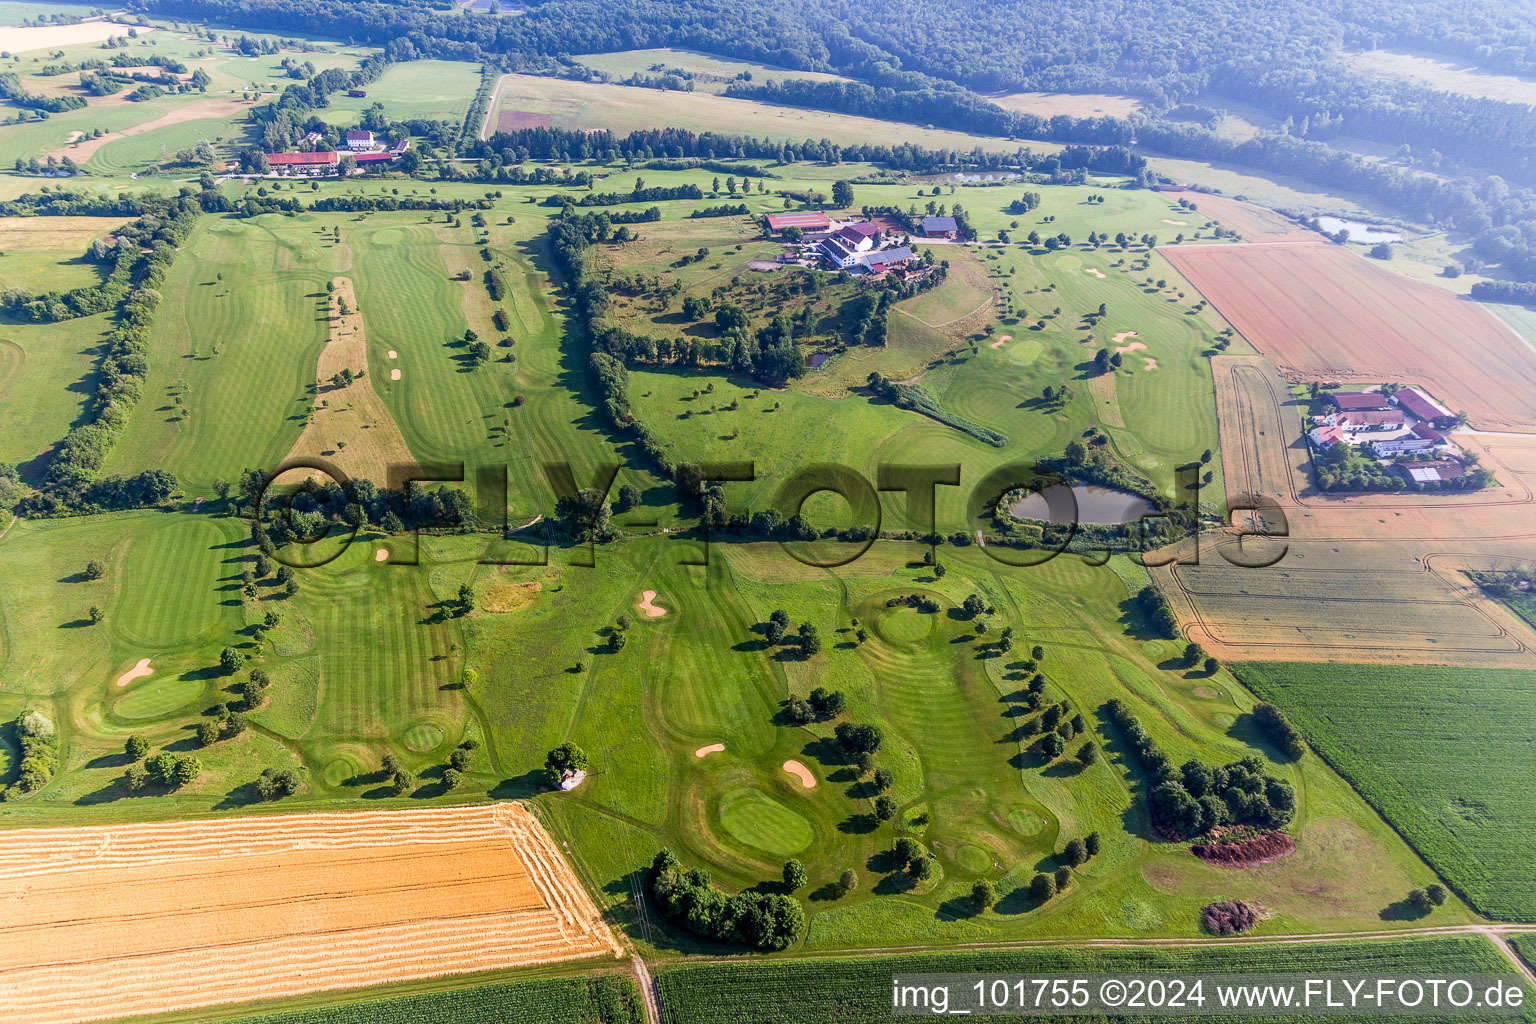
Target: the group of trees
pixel 164 769
pixel 765 920
pixel 1194 798
pixel 38 739
pixel 918 399
pixel 820 705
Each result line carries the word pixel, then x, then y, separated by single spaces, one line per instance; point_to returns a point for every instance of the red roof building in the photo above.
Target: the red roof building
pixel 374 157
pixel 805 220
pixel 1360 401
pixel 328 158
pixel 1414 402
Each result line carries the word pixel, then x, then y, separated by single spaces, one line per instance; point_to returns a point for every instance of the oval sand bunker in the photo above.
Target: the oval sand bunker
pixel 713 748
pixel 393 354
pixel 138 671
pixel 381 555
pixel 394 374
pixel 801 772
pixel 651 610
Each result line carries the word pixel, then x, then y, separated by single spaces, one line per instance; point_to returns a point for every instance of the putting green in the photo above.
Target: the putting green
pixel 1025 823
pixel 973 859
pixel 1024 352
pixel 337 772
pixel 158 697
pixel 755 820
pixel 905 625
pixel 423 736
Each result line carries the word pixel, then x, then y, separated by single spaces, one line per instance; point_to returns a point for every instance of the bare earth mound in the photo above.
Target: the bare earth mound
pixel 1319 311
pixel 157 918
pixel 1246 852
pixel 1231 917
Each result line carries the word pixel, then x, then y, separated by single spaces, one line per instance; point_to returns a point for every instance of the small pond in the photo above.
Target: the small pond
pixel 1094 505
pixel 1358 231
pixel 815 359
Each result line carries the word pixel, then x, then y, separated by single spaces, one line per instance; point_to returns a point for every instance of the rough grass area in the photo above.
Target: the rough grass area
pixel 1442 752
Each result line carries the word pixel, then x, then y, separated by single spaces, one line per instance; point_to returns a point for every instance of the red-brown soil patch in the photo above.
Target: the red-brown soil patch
pixel 512 120
pixel 173 916
pixel 1246 852
pixel 1231 917
pixel 1322 312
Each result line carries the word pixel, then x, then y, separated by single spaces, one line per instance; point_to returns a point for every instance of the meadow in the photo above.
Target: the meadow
pixel 623 109
pixel 46 371
pixel 426 89
pixel 711 73
pixel 1440 751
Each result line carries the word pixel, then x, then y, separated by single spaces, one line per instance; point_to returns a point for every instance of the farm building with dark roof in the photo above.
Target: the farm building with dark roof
pixel 940 227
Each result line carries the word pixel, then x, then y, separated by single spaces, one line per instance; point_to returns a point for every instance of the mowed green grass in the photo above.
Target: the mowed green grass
pixel 700 675
pixel 236 340
pixel 1442 752
pixel 428 89
pixel 46 374
pixel 830 991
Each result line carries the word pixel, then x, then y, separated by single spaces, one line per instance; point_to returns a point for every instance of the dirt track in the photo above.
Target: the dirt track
pixel 171 916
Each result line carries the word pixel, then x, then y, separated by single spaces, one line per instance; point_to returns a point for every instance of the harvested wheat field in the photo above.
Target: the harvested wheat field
pixel 154 918
pixel 49 37
pixel 1321 311
pixel 1253 223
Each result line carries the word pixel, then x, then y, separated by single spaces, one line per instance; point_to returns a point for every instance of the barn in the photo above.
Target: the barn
pixel 940 227
pixel 805 220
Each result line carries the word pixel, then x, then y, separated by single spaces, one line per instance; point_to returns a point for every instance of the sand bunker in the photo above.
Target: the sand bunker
pixel 394 374
pixel 1000 342
pixel 138 671
pixel 651 610
pixel 1176 223
pixel 1132 347
pixel 1095 271
pixel 381 555
pixel 1148 363
pixel 713 748
pixel 1123 335
pixel 393 353
pixel 800 771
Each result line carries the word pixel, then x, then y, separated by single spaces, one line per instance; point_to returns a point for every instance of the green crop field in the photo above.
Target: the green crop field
pixel 1440 752
pixel 594 999
pixel 836 990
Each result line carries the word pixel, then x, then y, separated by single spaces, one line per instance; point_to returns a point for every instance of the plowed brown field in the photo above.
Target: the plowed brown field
pixel 1321 311
pixel 139 919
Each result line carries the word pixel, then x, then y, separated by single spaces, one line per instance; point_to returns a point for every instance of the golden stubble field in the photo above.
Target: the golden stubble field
pixel 151 918
pixel 1373 578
